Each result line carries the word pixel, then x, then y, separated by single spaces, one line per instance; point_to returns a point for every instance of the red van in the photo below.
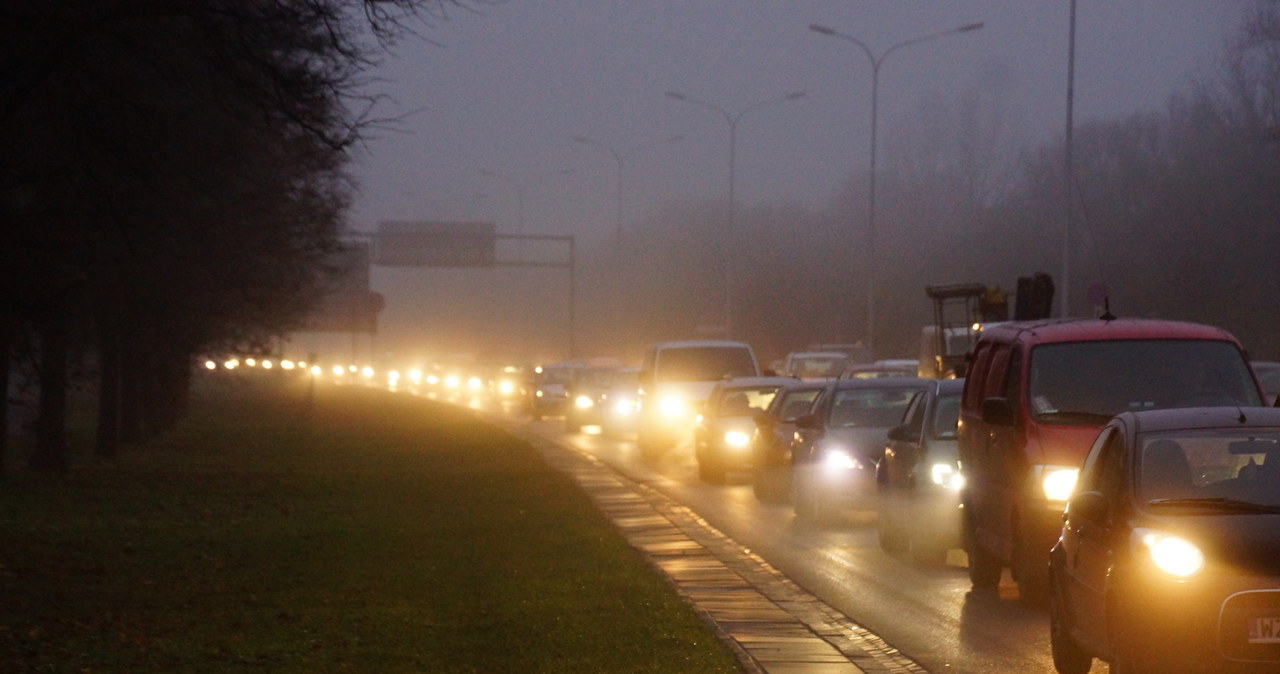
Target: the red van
pixel 1036 396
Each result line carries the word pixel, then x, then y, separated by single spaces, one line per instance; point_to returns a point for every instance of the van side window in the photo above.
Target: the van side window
pixel 995 384
pixel 974 383
pixel 1013 379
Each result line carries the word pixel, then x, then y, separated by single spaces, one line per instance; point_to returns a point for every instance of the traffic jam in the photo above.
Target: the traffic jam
pixel 1057 494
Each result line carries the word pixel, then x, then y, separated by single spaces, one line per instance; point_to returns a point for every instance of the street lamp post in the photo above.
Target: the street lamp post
pixel 732 119
pixel 621 157
pixel 876 62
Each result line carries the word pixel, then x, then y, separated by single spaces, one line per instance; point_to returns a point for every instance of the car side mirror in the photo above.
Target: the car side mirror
pixel 1088 506
pixel 904 433
pixel 998 412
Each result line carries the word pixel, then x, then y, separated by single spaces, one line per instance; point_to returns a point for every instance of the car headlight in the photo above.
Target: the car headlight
pixel 736 439
pixel 839 460
pixel 475 383
pixel 946 476
pixel 584 402
pixel 1057 482
pixel 506 388
pixel 624 407
pixel 1173 555
pixel 672 406
pixel 452 381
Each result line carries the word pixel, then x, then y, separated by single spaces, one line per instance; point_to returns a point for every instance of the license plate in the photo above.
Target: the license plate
pixel 1264 630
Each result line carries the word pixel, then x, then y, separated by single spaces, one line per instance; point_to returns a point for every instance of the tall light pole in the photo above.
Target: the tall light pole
pixel 732 119
pixel 1064 308
pixel 876 62
pixel 621 157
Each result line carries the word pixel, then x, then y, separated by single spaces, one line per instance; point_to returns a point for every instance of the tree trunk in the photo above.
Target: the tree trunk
pixel 51 433
pixel 7 327
pixel 108 438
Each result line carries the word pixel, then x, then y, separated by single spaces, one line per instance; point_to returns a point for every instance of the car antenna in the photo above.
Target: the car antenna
pixel 1106 309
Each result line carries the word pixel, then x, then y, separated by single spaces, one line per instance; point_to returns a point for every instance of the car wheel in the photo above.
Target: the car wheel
pixel 1068 656
pixel 800 498
pixel 651 447
pixel 893 539
pixel 710 471
pixel 1031 570
pixel 984 568
pixel 928 548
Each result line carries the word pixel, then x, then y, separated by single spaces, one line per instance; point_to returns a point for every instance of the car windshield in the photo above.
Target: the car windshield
pixel 870 407
pixel 946 417
pixel 740 402
pixel 818 366
pixel 555 375
pixel 1089 382
pixel 796 404
pixel 1233 469
pixel 704 363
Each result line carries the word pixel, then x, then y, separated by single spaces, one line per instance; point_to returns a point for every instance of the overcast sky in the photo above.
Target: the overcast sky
pixel 506 91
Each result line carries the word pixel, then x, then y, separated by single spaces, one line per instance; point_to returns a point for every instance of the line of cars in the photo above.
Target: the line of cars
pixel 1126 472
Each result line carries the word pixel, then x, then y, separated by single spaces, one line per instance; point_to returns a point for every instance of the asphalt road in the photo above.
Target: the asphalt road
pixel 926 612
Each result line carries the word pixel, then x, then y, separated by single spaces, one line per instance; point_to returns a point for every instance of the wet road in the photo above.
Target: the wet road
pixel 927 613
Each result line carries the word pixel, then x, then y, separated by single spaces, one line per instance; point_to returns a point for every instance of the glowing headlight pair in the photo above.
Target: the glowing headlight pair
pixel 1171 554
pixel 736 439
pixel 1057 482
pixel 946 475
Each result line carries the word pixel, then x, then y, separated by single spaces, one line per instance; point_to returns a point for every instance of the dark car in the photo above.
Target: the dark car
pixel 771 443
pixel 548 395
pixel 1169 557
pixel 919 477
pixel 837 446
pixel 585 394
pixel 620 404
pixel 723 429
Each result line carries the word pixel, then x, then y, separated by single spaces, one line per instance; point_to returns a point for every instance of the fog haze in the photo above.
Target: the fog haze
pixel 505 90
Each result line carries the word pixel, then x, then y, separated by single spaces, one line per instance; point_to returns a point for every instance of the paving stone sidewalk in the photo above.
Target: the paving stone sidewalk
pixel 774 625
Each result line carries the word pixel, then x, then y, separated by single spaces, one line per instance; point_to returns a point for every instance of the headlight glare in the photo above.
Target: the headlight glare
pixel 1058 482
pixel 839 460
pixel 584 402
pixel 1171 554
pixel 736 439
pixel 946 475
pixel 671 406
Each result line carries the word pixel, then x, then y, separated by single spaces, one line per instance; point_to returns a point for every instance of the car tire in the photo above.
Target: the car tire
pixel 928 549
pixel 1068 656
pixel 890 532
pixel 984 567
pixel 1032 577
pixel 800 499
pixel 710 472
pixel 769 485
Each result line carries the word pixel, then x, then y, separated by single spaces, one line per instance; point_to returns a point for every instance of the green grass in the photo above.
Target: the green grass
pixel 367 532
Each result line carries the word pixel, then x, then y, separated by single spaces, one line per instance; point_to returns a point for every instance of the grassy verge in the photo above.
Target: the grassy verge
pixel 366 532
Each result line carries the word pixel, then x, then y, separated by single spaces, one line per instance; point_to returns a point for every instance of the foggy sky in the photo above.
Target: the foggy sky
pixel 508 89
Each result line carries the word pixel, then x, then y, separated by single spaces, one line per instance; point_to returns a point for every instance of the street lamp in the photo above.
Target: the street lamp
pixel 620 157
pixel 876 61
pixel 732 119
